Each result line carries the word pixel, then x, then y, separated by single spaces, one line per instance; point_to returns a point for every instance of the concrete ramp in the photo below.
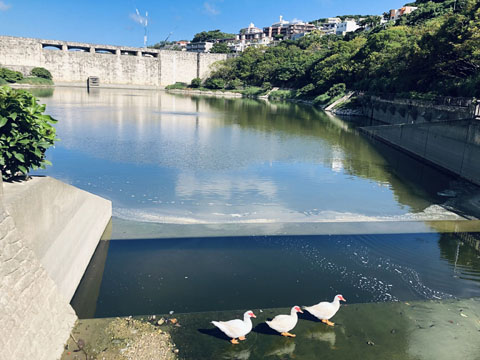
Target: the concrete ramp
pixel 61 223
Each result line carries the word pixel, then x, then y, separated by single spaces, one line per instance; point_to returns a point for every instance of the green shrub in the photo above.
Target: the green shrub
pixel 282 94
pixel 25 132
pixel 215 83
pixel 337 89
pixel 321 99
pixel 267 86
pixel 36 81
pixel 3 81
pixel 196 83
pixel 10 75
pixel 306 90
pixel 253 91
pixel 234 84
pixel 41 73
pixel 177 85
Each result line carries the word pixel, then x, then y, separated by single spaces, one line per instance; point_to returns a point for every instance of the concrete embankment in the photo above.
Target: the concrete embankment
pixel 409 111
pixel 451 145
pixel 61 223
pixel 48 233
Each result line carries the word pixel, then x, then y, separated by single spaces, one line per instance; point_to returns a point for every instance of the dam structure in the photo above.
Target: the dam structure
pixel 72 63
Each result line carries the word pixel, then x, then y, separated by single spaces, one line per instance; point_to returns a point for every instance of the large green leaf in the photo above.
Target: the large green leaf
pixel 19 156
pixel 3 121
pixel 23 169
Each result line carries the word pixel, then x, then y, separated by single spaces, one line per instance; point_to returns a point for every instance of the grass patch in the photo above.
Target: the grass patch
pixel 177 86
pixel 282 94
pixel 34 80
pixel 325 100
pixel 252 91
pixel 351 104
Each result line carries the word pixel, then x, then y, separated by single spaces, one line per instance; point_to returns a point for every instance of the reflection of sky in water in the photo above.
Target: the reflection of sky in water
pixel 169 158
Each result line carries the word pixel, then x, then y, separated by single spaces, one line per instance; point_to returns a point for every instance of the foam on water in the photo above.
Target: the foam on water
pixel 265 213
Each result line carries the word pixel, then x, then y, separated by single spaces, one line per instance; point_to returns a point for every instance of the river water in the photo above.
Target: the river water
pixel 199 163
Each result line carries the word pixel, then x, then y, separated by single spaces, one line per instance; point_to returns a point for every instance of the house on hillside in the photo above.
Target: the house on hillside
pixel 202 47
pixel 285 29
pixel 395 14
pixel 250 36
pixel 330 26
pixel 346 26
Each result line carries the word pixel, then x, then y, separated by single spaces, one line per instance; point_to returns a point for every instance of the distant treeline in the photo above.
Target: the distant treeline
pixel 435 49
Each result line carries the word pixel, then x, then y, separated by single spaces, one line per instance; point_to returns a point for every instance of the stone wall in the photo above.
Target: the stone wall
pixel 73 63
pixel 451 145
pixel 36 319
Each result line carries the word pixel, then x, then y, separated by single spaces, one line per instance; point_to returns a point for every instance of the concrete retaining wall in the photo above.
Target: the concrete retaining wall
pixel 406 111
pixel 452 145
pixel 36 319
pixel 62 225
pixel 72 62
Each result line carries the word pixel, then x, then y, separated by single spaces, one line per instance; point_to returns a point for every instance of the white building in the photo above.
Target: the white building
pixel 199 46
pixel 250 36
pixel 330 26
pixel 346 27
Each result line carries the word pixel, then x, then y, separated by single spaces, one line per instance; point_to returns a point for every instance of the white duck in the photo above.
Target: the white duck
pixel 325 310
pixel 236 328
pixel 284 323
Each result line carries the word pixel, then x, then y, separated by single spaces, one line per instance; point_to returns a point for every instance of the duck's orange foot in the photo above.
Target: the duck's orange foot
pixel 287 334
pixel 242 338
pixel 234 341
pixel 328 322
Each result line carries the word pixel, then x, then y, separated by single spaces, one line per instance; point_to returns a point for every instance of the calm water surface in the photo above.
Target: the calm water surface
pixel 177 159
pixel 155 276
pixel 186 161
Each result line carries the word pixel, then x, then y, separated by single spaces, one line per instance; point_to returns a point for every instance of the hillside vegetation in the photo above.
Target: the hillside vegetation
pixel 436 49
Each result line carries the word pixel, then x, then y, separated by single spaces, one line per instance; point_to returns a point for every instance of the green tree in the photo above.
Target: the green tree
pixel 211 35
pixel 196 83
pixel 220 48
pixel 25 132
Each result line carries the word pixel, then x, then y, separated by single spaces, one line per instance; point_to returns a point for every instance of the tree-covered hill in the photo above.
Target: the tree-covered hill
pixel 435 49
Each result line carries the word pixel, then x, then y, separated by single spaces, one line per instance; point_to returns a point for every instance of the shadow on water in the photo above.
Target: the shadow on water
pixel 263 328
pixel 215 333
pixel 154 276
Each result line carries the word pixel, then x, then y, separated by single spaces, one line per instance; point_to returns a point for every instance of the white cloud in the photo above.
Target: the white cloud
pixel 139 19
pixel 4 7
pixel 210 8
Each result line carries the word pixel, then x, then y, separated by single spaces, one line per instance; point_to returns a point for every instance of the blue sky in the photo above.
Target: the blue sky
pixel 114 22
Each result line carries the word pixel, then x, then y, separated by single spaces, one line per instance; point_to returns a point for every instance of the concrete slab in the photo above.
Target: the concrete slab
pixel 416 330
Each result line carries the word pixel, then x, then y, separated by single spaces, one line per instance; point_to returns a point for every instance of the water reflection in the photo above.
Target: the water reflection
pixel 283 348
pixel 178 159
pixel 462 254
pixel 159 275
pixel 328 336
